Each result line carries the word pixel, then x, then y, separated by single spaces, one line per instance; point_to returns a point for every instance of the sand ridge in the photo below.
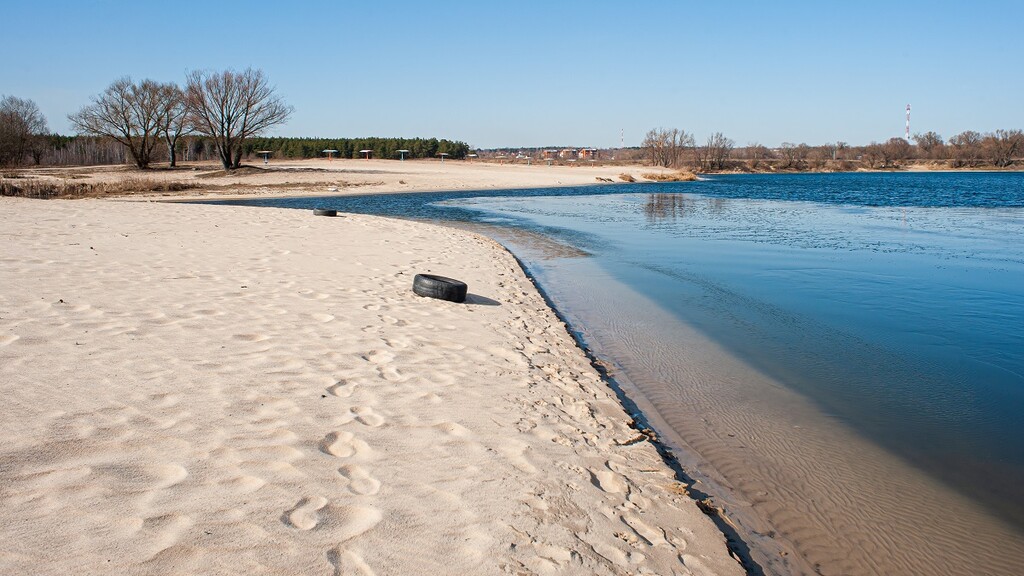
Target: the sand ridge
pixel 211 389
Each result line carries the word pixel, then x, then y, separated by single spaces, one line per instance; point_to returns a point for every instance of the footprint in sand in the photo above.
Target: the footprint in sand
pixel 366 416
pixel 390 373
pixel 608 481
pixel 653 536
pixel 341 389
pixel 346 522
pixel 306 513
pixel 379 357
pixel 346 562
pixel 359 480
pixel 397 343
pixel 342 445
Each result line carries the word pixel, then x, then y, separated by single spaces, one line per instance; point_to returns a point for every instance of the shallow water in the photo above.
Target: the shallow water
pixel 840 355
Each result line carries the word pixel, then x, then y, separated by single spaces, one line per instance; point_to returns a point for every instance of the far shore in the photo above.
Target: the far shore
pixel 331 177
pixel 343 177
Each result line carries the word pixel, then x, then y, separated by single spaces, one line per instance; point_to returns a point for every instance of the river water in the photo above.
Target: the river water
pixel 838 358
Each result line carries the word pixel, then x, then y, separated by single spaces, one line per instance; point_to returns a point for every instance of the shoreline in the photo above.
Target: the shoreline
pixel 962 515
pixel 249 419
pixel 770 556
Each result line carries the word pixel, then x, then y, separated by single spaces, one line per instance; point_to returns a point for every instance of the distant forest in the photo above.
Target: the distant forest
pixel 383 148
pixel 59 150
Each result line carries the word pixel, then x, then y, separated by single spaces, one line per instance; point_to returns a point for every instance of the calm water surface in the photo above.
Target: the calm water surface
pixel 845 353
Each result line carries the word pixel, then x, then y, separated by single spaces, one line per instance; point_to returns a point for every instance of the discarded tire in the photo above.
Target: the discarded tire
pixel 439 287
pixel 324 212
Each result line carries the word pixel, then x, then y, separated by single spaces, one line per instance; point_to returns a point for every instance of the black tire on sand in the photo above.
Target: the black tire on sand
pixel 439 287
pixel 324 212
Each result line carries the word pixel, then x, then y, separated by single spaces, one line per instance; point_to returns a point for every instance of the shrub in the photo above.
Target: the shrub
pixel 34 188
pixel 670 176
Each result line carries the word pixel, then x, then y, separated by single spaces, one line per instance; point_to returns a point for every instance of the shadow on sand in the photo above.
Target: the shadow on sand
pixel 477 300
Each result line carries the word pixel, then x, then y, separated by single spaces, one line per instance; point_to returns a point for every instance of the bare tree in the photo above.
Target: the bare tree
pixel 794 156
pixel 1003 146
pixel 22 129
pixel 895 151
pixel 874 155
pixel 664 147
pixel 929 143
pixel 232 106
pixel 756 153
pixel 819 156
pixel 715 152
pixel 174 123
pixel 129 113
pixel 966 148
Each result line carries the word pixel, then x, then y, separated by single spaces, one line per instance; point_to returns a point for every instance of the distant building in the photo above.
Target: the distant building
pixel 588 154
pixel 567 153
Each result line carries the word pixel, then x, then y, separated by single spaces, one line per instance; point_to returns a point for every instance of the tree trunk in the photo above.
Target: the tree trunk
pixel 238 157
pixel 225 156
pixel 171 152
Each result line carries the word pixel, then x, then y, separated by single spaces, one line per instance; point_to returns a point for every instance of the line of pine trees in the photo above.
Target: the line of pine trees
pixel 60 150
pixel 383 148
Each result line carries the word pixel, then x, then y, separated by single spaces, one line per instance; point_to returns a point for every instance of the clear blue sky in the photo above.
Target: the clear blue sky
pixel 550 73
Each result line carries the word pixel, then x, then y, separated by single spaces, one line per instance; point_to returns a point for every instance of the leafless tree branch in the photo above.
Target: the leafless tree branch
pixel 232 106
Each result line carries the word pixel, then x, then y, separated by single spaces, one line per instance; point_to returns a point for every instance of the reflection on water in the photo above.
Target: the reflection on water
pixel 673 206
pixel 662 206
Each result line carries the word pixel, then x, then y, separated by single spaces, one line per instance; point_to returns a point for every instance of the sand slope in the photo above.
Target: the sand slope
pixel 205 389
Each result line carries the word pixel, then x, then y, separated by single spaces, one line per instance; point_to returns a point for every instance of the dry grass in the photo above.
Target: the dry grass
pixel 243 170
pixel 670 177
pixel 627 177
pixel 37 188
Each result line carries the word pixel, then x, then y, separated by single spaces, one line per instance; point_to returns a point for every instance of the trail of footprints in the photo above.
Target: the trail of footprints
pixel 346 521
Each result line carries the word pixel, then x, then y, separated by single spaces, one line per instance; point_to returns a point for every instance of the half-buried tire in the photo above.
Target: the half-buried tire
pixel 439 287
pixel 324 212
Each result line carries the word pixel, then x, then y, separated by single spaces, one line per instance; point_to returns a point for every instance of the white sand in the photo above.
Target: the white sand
pixel 206 389
pixel 344 177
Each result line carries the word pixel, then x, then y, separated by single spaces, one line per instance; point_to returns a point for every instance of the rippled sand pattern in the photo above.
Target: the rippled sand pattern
pixel 204 389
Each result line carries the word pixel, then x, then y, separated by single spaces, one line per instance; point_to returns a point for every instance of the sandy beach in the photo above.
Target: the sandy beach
pixel 339 177
pixel 197 389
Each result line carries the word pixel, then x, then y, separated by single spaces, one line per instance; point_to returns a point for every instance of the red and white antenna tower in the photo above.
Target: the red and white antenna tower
pixel 908 122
